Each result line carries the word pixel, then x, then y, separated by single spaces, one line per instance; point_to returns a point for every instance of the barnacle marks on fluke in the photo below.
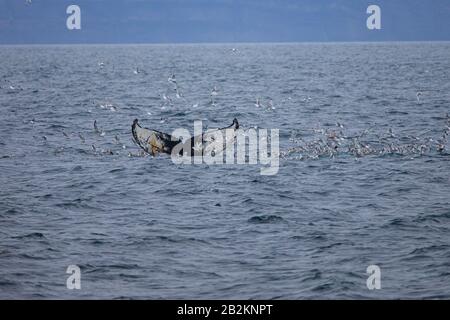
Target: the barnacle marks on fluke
pixel 152 141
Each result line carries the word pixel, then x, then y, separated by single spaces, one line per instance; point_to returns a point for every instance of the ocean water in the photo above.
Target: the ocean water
pixel 142 227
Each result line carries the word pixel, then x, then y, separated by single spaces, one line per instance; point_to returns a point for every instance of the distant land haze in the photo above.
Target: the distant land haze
pixel 186 21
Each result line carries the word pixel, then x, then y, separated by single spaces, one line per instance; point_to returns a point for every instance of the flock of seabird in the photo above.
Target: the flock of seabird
pixel 332 142
pixel 328 142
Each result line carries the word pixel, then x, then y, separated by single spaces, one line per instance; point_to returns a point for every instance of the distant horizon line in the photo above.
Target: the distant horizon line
pixel 219 43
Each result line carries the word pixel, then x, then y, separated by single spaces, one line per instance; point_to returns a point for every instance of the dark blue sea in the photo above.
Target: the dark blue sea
pixel 364 175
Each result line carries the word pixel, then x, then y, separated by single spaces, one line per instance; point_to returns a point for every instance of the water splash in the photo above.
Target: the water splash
pixel 332 142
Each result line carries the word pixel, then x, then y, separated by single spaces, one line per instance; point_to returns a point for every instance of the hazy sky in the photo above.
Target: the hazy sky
pixel 142 21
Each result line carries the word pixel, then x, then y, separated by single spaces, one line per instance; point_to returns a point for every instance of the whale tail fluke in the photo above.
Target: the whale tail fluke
pixel 154 142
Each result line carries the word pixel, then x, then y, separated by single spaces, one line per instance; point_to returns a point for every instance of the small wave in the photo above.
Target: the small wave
pixel 77 168
pixel 323 287
pixel 56 126
pixel 398 222
pixel 393 112
pixel 33 257
pixel 429 249
pixel 130 276
pixel 315 275
pixel 179 239
pixel 100 268
pixel 33 235
pixel 8 283
pixel 433 217
pixel 12 211
pixel 266 219
pixel 5 252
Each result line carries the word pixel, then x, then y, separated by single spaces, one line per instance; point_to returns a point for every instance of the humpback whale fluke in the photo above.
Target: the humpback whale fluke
pixel 154 142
